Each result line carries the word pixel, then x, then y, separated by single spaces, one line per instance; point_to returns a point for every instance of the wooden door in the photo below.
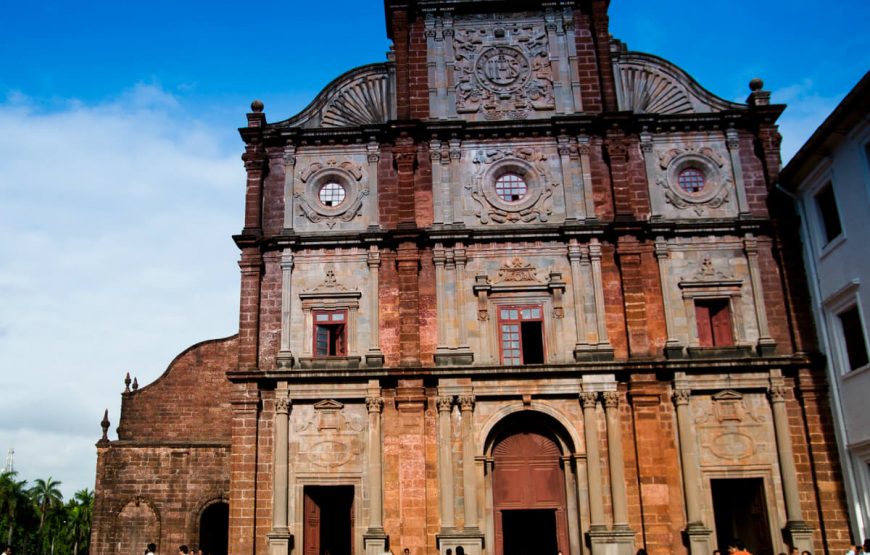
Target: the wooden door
pixel 528 480
pixel 311 535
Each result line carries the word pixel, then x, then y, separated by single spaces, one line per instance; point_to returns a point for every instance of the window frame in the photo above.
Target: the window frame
pixel 724 311
pixel 500 321
pixel 835 305
pixel 344 323
pixel 823 221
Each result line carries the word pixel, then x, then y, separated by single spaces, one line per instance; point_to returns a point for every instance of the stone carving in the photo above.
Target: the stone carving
pixel 503 71
pixel 330 284
pixel 528 162
pixel 705 159
pixel 708 272
pixel 515 270
pixel 466 402
pixel 588 399
pixel 348 174
pixel 329 438
pixel 732 446
pixel 445 403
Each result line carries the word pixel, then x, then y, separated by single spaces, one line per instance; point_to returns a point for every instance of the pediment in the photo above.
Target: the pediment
pixel 328 404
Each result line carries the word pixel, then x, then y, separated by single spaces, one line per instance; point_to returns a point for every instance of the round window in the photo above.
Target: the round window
pixel 331 194
pixel 510 187
pixel 691 180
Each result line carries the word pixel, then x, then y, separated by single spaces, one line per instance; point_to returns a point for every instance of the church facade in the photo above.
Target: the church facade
pixel 518 289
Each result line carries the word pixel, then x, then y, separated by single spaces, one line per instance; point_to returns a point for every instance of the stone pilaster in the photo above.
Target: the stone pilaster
pixel 279 536
pixel 375 539
pixel 289 176
pixel 732 140
pixel 698 534
pixel 373 156
pixel 445 464
pixel 766 344
pixel 603 343
pixel 673 348
pixel 374 356
pixel 589 400
pixel 469 481
pixel 285 357
pixel 575 255
pixel 586 173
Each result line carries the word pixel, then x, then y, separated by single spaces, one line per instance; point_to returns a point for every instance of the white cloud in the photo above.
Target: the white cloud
pixel 807 109
pixel 116 255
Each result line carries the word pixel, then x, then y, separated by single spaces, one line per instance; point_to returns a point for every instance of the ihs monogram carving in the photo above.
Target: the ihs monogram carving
pixel 707 271
pixel 516 270
pixel 503 71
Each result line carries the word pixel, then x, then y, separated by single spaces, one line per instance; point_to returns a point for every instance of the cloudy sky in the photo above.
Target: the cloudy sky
pixel 121 183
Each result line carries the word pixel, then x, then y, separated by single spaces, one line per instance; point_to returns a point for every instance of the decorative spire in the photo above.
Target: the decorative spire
pixel 105 425
pixel 127 383
pixel 135 384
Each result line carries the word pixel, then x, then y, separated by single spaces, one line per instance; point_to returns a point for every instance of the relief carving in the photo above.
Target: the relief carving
pixel 503 71
pixel 710 162
pixel 515 270
pixel 527 162
pixel 348 175
pixel 330 437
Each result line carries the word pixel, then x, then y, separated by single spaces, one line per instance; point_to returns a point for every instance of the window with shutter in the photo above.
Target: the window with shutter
pixel 713 318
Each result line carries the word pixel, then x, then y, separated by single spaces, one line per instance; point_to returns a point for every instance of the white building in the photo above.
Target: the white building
pixel 830 179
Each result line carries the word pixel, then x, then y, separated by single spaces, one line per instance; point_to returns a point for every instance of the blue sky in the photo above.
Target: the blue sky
pixel 121 184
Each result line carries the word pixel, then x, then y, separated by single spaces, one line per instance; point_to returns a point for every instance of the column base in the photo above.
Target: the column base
pixel 375 541
pixel 470 540
pixel 618 541
pixel 798 534
pixel 374 358
pixel 593 353
pixel 697 536
pixel 280 541
pixel 766 347
pixel 285 360
pixel 674 350
pixel 454 356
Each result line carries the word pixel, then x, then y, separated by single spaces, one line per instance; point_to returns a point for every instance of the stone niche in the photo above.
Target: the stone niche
pixel 489 67
pixel 690 179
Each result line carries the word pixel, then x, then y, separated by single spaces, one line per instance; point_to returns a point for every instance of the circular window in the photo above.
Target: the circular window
pixel 510 187
pixel 691 180
pixel 331 194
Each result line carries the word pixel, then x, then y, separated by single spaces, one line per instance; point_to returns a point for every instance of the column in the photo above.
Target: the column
pixel 460 259
pixel 456 196
pixel 285 355
pixel 373 150
pixel 466 407
pixel 766 344
pixel 618 496
pixel 786 455
pixel 445 462
pixel 374 357
pixel 663 256
pixel 732 140
pixel 598 287
pixel 279 536
pixel 593 460
pixel 375 538
pixel 586 172
pixel 289 170
pixel 568 184
pixel 439 258
pixel 696 531
pixel 574 257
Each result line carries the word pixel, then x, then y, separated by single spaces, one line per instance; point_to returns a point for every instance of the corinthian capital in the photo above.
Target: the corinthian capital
pixel 588 399
pixel 374 404
pixel 466 402
pixel 611 399
pixel 445 403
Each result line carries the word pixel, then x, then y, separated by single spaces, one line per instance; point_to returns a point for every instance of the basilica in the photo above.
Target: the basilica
pixel 516 290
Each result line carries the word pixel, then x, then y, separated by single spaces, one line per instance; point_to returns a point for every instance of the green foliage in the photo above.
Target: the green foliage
pixel 35 520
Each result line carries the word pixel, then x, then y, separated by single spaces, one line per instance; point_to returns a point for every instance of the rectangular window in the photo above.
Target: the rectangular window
pixel 827 203
pixel 521 335
pixel 853 337
pixel 330 328
pixel 713 317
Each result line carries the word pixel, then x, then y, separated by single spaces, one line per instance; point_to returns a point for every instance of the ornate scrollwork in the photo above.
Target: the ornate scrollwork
pixel 282 405
pixel 516 270
pixel 445 403
pixel 374 404
pixel 466 402
pixel 681 396
pixel 777 393
pixel 611 399
pixel 346 173
pixel 588 399
pixel 705 159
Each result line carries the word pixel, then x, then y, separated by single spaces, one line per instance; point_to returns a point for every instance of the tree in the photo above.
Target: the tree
pixel 12 499
pixel 46 496
pixel 80 515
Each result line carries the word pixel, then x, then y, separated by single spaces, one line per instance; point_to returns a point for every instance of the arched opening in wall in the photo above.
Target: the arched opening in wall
pixel 136 526
pixel 528 487
pixel 214 525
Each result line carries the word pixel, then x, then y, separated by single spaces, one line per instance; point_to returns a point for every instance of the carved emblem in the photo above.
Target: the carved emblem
pixel 732 446
pixel 516 271
pixel 707 160
pixel 707 271
pixel 330 284
pixel 348 174
pixel 330 437
pixel 503 80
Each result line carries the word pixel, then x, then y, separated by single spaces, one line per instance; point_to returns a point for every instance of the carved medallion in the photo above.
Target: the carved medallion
pixel 502 69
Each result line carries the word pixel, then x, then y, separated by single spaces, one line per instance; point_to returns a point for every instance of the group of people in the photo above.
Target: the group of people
pixel 858 549
pixel 151 549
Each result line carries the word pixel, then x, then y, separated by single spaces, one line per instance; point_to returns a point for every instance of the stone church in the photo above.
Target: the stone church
pixel 518 290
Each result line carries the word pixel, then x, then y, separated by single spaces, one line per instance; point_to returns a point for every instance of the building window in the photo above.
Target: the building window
pixel 853 337
pixel 330 333
pixel 510 187
pixel 827 203
pixel 331 194
pixel 691 180
pixel 713 317
pixel 521 335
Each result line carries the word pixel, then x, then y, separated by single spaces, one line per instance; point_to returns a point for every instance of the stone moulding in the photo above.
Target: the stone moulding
pixel 648 84
pixel 361 96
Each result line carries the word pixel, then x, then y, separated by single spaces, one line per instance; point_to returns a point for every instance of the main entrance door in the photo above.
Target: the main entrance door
pixel 740 512
pixel 328 520
pixel 529 495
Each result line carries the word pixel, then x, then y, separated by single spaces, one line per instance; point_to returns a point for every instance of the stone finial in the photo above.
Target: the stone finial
pixel 758 96
pixel 135 384
pixel 257 106
pixel 104 424
pixel 756 84
pixel 127 383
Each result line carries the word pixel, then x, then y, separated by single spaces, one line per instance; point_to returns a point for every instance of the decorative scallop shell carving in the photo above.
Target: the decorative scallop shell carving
pixel 648 84
pixel 649 92
pixel 361 102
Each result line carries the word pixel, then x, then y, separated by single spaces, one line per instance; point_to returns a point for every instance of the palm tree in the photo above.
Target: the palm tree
pixel 45 495
pixel 12 493
pixel 81 514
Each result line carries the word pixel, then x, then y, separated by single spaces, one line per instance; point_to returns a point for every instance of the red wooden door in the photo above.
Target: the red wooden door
pixel 529 487
pixel 311 535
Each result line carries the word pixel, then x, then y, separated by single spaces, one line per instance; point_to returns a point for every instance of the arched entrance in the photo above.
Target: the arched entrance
pixel 214 525
pixel 528 490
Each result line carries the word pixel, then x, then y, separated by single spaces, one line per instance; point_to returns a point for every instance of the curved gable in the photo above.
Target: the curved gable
pixel 362 96
pixel 651 85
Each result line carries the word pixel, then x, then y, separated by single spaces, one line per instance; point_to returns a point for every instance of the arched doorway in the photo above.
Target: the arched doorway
pixel 137 525
pixel 214 525
pixel 528 489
